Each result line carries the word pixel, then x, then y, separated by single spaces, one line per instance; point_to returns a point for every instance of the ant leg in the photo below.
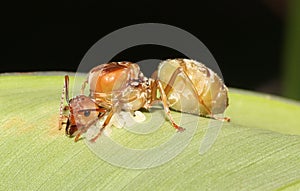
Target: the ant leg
pixel 226 119
pixel 77 137
pixel 84 129
pixel 166 106
pixel 106 122
pixel 153 96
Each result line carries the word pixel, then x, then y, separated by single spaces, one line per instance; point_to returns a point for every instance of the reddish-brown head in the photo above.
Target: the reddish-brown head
pixel 84 112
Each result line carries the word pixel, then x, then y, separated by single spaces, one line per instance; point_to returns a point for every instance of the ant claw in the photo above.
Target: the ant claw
pixel 180 129
pixel 93 140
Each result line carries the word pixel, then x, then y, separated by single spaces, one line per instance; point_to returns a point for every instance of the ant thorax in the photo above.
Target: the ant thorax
pixel 133 96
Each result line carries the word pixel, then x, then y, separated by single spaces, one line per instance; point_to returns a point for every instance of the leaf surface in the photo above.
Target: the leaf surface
pixel 258 150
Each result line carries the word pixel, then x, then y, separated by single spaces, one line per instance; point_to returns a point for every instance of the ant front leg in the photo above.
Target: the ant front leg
pixel 83 128
pixel 106 122
pixel 165 103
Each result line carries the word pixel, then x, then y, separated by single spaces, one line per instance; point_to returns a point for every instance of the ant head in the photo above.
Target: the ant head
pixel 83 111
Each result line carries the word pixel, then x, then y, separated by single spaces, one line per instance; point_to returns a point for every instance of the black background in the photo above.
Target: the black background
pixel 245 37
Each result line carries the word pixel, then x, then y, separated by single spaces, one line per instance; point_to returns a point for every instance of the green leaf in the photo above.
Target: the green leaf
pixel 258 150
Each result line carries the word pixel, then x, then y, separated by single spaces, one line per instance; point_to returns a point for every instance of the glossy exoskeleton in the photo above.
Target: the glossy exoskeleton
pixel 121 86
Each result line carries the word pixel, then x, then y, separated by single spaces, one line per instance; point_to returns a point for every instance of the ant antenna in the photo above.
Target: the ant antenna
pixel 66 88
pixel 65 94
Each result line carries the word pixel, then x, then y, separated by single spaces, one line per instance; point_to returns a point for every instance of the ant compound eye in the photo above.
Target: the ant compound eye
pixel 87 113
